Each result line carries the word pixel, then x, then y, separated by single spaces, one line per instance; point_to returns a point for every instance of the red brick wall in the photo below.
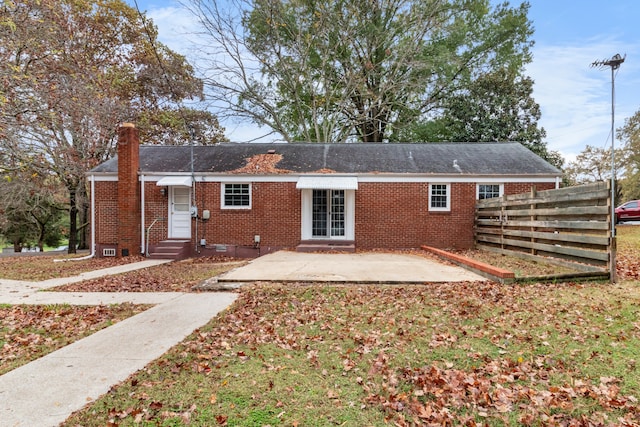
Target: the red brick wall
pixel 106 212
pixel 156 208
pixel 521 187
pixel 398 216
pixel 388 215
pixel 274 215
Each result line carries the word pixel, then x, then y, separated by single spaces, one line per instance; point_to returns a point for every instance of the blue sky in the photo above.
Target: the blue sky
pixel 569 35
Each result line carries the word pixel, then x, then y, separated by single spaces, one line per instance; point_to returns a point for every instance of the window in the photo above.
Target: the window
pixel 439 197
pixel 236 196
pixel 488 191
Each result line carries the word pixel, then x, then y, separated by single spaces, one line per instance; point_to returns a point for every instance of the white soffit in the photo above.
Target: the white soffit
pixel 175 181
pixel 327 183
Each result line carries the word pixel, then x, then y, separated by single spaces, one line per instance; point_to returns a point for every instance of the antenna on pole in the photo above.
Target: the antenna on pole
pixel 614 63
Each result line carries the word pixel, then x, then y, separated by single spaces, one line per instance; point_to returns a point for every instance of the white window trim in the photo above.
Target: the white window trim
pixel 500 192
pixel 223 188
pixel 439 209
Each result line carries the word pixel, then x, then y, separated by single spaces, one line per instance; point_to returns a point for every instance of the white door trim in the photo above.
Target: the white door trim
pixel 179 226
pixel 306 222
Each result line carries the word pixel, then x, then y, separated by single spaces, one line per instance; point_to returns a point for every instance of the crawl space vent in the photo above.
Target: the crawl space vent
pixel 108 252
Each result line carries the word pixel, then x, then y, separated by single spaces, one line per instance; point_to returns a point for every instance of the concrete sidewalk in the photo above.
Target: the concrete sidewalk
pixel 46 391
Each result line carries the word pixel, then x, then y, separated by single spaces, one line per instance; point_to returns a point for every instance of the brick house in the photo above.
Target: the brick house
pixel 252 199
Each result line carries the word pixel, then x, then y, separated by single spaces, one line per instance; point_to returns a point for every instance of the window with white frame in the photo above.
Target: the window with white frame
pixel 488 191
pixel 236 196
pixel 439 197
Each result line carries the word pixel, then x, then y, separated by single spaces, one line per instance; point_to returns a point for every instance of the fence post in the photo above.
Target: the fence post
pixel 613 247
pixel 532 218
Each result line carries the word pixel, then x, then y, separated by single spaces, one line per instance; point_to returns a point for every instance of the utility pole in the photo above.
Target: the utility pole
pixel 614 63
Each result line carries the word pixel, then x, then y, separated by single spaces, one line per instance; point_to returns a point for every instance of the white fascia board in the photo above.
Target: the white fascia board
pixel 361 178
pixel 105 178
pixel 457 178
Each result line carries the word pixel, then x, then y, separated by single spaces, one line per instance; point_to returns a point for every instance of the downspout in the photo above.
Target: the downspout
pixel 93 225
pixel 143 248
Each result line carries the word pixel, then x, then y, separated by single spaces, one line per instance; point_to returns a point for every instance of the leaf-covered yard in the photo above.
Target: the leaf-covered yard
pixel 28 332
pixel 475 353
pixel 43 267
pixel 177 276
pixel 454 354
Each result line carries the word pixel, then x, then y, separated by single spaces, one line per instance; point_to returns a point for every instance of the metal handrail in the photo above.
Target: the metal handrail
pixel 146 249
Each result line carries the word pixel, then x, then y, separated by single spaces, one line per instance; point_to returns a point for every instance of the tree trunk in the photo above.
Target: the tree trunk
pixel 41 232
pixel 73 225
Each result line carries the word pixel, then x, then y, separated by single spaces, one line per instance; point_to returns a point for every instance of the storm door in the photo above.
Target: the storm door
pixel 179 213
pixel 328 217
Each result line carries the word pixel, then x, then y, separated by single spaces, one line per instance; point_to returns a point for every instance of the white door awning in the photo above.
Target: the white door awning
pixel 175 181
pixel 327 183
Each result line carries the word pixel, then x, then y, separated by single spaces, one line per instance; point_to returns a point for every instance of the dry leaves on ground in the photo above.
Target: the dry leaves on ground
pixel 177 276
pixel 444 354
pixel 29 332
pixel 43 267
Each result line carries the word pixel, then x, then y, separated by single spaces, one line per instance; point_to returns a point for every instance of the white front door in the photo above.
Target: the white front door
pixel 180 213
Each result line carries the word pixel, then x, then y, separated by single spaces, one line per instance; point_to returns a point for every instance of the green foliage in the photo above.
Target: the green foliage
pixel 496 106
pixel 75 69
pixel 32 210
pixel 358 70
pixel 630 157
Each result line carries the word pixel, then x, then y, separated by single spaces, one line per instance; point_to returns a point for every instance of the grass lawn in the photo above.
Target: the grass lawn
pixel 474 353
pixel 29 332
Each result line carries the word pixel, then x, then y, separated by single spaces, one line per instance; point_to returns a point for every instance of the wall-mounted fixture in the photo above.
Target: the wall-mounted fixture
pixel 206 214
pixel 163 191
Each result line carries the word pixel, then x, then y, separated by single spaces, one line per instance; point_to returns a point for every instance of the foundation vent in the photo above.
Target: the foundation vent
pixel 108 252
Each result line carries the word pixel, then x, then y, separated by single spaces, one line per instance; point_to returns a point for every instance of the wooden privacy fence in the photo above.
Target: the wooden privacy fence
pixel 570 227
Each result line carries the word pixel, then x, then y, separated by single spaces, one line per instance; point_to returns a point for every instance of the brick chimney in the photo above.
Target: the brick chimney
pixel 128 190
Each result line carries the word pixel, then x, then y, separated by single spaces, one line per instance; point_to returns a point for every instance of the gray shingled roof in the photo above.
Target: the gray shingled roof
pixel 433 158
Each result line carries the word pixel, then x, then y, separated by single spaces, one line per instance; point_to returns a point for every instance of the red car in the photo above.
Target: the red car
pixel 628 211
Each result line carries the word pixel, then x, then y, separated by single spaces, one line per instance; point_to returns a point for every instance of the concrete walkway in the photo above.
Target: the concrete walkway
pixel 371 267
pixel 46 391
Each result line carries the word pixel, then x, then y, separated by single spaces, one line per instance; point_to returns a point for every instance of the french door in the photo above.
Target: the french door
pixel 328 214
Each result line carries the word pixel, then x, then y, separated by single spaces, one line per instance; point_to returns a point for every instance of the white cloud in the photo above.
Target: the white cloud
pixel 575 98
pixel 175 27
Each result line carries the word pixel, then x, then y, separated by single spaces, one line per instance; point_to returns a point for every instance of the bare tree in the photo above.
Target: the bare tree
pixel 71 71
pixel 351 69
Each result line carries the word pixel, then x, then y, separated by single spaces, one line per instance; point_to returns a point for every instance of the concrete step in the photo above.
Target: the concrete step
pixel 326 246
pixel 170 249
